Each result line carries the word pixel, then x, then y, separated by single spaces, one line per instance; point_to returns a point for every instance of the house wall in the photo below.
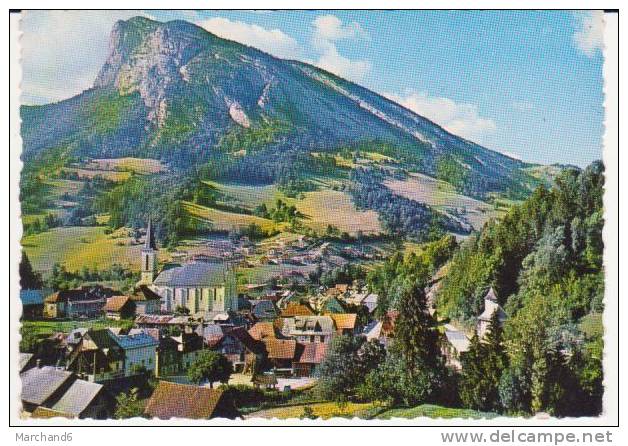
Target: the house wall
pixel 148 306
pixel 77 309
pixel 144 356
pixel 54 310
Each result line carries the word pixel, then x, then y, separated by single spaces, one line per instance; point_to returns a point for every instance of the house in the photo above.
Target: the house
pixel 119 307
pixel 370 302
pixel 266 380
pixel 332 305
pixel 263 310
pixel 491 307
pixel 241 350
pixel 263 330
pixel 146 301
pixel 32 304
pixel 87 301
pixel 280 353
pixel 139 352
pixel 211 333
pixel 176 354
pixel 457 344
pixel 97 357
pixel 171 400
pixel 295 309
pixel 345 322
pixel 308 358
pixel 26 361
pixel 48 390
pixel 309 328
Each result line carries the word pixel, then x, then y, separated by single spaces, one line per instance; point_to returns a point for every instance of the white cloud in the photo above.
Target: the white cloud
pixel 334 62
pixel 62 51
pixel 589 35
pixel 272 41
pixel 458 118
pixel 328 29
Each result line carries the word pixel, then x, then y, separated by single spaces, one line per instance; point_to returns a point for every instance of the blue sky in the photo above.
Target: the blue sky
pixel 525 83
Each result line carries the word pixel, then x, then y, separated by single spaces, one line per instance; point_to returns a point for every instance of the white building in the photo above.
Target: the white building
pixel 491 306
pixel 201 286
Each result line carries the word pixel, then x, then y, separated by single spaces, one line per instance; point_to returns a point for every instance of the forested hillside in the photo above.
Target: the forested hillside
pixel 545 260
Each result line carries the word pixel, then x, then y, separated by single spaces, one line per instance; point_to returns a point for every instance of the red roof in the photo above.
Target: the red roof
pixel 116 303
pixel 185 401
pixel 344 321
pixel 280 348
pixel 262 330
pixel 294 309
pixel 312 353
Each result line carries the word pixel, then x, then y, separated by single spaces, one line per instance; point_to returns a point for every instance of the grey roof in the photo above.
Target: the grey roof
pixel 210 330
pixel 491 307
pixel 75 336
pixel 458 340
pixel 32 297
pixel 306 325
pixel 78 397
pixel 490 295
pixel 194 274
pixel 263 308
pixel 24 359
pixel 38 384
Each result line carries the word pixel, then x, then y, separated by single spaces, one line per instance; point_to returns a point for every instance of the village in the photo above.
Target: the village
pixel 273 336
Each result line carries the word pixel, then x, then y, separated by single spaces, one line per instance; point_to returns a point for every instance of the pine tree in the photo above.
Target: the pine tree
pixel 472 388
pixel 29 279
pixel 494 362
pixel 416 336
pixel 482 368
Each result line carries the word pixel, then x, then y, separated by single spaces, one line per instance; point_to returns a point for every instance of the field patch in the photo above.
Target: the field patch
pixel 330 207
pixel 248 197
pixel 433 411
pixel 226 221
pixel 141 166
pixel 443 197
pixel 322 410
pixel 111 175
pixel 78 246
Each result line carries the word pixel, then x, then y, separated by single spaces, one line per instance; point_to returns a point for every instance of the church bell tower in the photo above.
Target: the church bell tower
pixel 149 257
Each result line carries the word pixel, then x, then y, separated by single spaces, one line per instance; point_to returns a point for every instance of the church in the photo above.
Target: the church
pixel 203 287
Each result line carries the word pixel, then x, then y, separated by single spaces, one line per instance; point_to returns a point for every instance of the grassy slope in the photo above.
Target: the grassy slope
pixel 327 206
pixel 44 328
pixel 442 196
pixel 76 247
pixel 433 411
pixel 320 208
pixel 222 220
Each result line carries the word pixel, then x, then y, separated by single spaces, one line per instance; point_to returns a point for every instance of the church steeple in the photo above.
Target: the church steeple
pixel 149 243
pixel 149 257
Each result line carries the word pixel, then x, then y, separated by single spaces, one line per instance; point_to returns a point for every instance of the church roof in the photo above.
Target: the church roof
pixel 195 274
pixel 491 295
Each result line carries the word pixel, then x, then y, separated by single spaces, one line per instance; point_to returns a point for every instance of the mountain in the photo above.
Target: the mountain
pixel 176 92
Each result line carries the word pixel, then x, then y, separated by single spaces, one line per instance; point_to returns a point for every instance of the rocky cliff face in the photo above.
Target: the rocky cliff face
pixel 174 91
